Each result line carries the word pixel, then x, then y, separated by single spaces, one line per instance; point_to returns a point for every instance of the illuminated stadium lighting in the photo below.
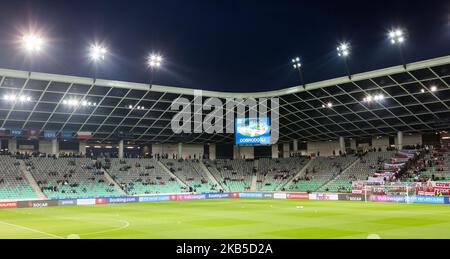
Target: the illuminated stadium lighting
pixel 98 52
pixel 296 63
pixel 397 36
pixel 131 107
pixel 376 98
pixel 343 50
pixel 422 91
pixel 14 98
pixel 433 88
pixel 74 103
pixel 32 43
pixel 328 105
pixel 154 61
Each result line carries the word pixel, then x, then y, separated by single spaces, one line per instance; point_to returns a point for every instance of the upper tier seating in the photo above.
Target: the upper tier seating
pixel 70 178
pixel 319 172
pixel 191 173
pixel 143 176
pixel 274 173
pixel 13 184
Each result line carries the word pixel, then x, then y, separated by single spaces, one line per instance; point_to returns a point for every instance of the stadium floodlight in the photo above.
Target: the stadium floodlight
pixel 298 66
pixel 296 63
pixel 32 43
pixel 154 62
pixel 433 88
pixel 376 98
pixel 98 53
pixel 398 37
pixel 344 50
pixel 76 103
pixel 14 98
pixel 327 105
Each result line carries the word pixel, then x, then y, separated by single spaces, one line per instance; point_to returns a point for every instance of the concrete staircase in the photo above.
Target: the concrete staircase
pixel 210 175
pixel 254 185
pixel 300 173
pixel 163 167
pixel 111 180
pixel 31 180
pixel 338 175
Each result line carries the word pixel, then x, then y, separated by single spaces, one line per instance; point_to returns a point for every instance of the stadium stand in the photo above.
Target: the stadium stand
pixel 362 169
pixel 320 172
pixel 192 174
pixel 142 176
pixel 13 184
pixel 70 178
pixel 274 173
pixel 234 175
pixel 433 166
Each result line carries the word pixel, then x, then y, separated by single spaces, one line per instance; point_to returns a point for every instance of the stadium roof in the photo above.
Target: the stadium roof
pixel 405 106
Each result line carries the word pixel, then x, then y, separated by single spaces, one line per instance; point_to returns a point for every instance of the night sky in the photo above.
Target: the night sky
pixel 225 45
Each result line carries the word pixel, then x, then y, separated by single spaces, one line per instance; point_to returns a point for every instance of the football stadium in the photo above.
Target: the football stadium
pixel 360 156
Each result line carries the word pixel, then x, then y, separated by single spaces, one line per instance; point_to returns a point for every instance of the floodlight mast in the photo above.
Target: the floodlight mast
pixel 32 44
pixel 154 62
pixel 298 66
pixel 97 54
pixel 344 51
pixel 398 37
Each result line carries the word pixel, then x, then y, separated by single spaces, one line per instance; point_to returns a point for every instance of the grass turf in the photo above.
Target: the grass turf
pixel 221 219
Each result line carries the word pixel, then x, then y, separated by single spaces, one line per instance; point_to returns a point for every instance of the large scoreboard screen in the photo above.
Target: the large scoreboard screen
pixel 253 131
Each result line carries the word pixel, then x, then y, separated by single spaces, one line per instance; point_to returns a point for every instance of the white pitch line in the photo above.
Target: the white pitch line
pixel 127 224
pixel 31 229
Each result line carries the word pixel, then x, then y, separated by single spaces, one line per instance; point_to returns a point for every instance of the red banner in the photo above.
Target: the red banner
pixel 8 205
pixel 100 201
pixel 430 188
pixel 297 196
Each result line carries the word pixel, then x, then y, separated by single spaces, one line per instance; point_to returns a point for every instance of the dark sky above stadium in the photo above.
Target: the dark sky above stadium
pixel 225 45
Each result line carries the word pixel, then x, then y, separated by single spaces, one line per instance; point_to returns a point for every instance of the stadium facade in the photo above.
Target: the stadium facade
pixel 416 102
pixel 115 141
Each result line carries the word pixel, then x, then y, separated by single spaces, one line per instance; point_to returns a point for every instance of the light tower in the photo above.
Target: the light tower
pixel 344 52
pixel 298 66
pixel 97 54
pixel 398 37
pixel 32 44
pixel 154 62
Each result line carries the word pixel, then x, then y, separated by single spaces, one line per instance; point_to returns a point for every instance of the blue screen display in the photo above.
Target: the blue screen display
pixel 252 131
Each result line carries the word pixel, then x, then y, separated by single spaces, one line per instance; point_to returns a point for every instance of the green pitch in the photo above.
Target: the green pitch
pixel 221 219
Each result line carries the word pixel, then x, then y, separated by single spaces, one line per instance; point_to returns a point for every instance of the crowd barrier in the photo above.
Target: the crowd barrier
pixel 218 196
